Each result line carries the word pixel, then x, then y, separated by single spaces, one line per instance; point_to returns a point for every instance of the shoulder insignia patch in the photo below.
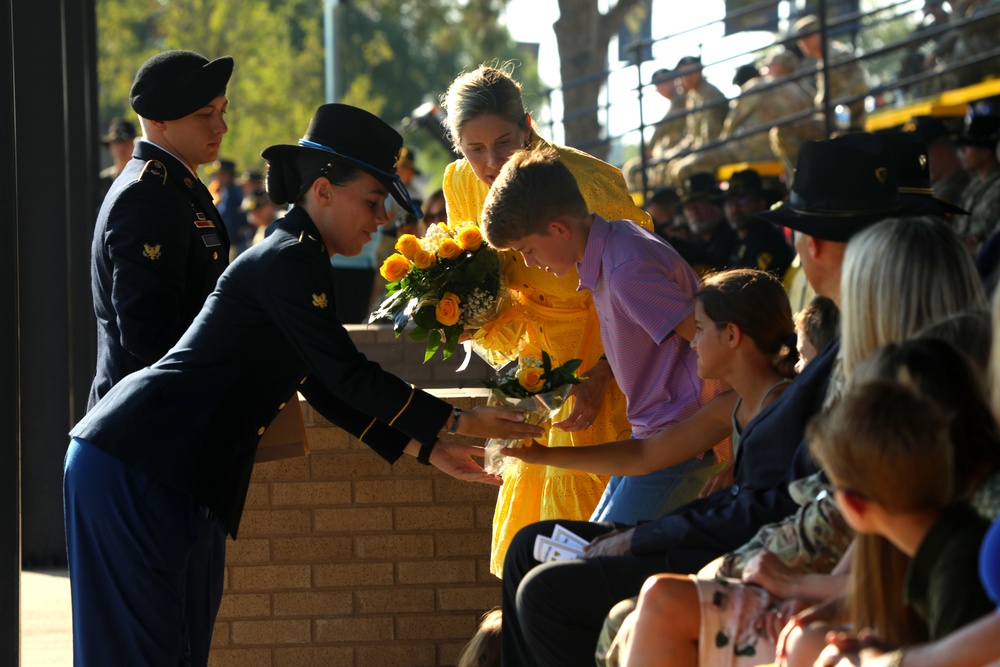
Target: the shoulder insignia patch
pixel 151 251
pixel 154 170
pixel 319 300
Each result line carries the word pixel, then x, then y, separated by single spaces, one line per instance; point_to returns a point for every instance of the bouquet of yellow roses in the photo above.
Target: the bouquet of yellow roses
pixel 537 389
pixel 445 282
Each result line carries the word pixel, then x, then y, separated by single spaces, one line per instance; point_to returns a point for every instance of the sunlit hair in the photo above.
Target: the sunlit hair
pixel 533 189
pixel 939 371
pixel 483 650
pixel 757 303
pixel 898 277
pixel 818 322
pixel 488 90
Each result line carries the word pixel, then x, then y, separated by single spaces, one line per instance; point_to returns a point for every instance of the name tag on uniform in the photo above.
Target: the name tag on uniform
pixel 211 240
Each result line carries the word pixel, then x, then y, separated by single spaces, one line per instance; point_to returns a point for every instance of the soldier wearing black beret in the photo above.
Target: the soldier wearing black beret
pixel 159 247
pixel 184 431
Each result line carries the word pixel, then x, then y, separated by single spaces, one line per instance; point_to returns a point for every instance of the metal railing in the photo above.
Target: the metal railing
pixel 857 23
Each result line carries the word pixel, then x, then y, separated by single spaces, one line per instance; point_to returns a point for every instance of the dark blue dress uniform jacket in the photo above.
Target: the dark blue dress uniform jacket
pixel 192 421
pixel 772 454
pixel 159 248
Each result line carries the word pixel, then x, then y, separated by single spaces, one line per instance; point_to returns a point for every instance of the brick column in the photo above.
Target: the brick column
pixel 346 561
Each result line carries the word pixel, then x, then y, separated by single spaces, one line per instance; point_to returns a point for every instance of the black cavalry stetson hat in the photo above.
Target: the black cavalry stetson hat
pixel 355 136
pixel 700 186
pixel 841 186
pixel 982 131
pixel 914 177
pixel 173 84
pixel 745 183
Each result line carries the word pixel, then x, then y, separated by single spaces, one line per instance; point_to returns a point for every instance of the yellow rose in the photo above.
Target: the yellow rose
pixel 447 310
pixel 470 238
pixel 395 268
pixel 407 245
pixel 530 377
pixel 423 259
pixel 449 249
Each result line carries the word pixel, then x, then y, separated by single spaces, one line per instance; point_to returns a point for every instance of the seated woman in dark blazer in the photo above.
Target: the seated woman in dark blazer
pixel 177 440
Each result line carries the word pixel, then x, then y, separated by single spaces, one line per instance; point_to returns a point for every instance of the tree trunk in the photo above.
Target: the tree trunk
pixel 582 35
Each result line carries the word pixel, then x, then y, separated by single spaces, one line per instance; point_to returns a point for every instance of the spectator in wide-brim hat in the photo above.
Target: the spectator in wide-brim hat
pixel 913 175
pixel 761 245
pixel 702 198
pixel 841 186
pixel 119 141
pixel 977 151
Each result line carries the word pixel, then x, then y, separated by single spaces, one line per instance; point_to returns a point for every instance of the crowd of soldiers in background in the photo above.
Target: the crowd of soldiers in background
pixel 703 130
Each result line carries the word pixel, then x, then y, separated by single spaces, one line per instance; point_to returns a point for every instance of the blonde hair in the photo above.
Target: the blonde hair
pixel 488 90
pixel 483 650
pixel 898 277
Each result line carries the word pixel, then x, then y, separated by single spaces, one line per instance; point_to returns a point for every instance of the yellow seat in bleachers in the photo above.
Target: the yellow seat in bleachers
pixel 766 168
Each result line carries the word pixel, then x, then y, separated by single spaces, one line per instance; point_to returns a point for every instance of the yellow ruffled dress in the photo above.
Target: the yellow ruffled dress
pixel 549 313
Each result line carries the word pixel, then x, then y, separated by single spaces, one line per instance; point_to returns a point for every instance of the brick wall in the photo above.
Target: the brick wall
pixel 346 561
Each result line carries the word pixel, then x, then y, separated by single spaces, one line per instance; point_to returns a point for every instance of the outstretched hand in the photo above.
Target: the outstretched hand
pixel 495 422
pixel 456 460
pixel 587 398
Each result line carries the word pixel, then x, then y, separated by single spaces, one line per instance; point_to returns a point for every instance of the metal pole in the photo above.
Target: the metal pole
pixel 330 47
pixel 825 70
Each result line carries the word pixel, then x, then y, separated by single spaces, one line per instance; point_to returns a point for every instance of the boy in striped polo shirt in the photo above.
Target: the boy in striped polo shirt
pixel 643 293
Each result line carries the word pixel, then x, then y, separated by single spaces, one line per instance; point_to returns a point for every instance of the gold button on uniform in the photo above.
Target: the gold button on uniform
pixel 304 380
pixel 261 430
pixel 282 406
pixel 215 255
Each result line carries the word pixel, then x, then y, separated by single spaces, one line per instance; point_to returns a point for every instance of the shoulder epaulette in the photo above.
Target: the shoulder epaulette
pixel 154 170
pixel 309 238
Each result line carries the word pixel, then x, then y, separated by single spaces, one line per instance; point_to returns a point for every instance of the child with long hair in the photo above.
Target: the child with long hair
pixel 743 323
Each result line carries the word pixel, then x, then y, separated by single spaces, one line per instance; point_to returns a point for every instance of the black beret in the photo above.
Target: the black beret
pixel 173 84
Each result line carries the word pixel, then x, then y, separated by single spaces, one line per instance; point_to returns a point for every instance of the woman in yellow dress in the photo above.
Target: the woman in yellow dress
pixel 488 122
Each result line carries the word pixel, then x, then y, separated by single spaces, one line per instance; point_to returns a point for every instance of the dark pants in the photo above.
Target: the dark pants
pixel 553 612
pixel 146 566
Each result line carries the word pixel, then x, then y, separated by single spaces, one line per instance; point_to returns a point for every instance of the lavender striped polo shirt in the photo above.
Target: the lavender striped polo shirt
pixel 642 290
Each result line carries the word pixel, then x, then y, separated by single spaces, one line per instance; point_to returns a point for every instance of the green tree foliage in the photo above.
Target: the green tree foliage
pixel 393 55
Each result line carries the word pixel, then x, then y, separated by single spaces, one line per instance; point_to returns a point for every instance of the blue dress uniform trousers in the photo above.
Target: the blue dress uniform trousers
pixel 131 540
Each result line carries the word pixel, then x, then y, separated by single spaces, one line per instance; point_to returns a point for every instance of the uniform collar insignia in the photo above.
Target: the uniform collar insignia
pixel 319 300
pixel 151 252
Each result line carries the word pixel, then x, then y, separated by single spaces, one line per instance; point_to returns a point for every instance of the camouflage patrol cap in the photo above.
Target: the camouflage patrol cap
pixel 173 84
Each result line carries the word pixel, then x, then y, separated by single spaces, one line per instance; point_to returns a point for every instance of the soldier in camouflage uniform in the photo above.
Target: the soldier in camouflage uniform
pixel 847 79
pixel 754 108
pixel 978 153
pixel 668 133
pixel 707 110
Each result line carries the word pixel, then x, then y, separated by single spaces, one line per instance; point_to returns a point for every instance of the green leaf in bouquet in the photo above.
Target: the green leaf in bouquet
pixel 571 366
pixel 450 341
pixel 546 363
pixel 419 333
pixel 424 317
pixel 433 342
